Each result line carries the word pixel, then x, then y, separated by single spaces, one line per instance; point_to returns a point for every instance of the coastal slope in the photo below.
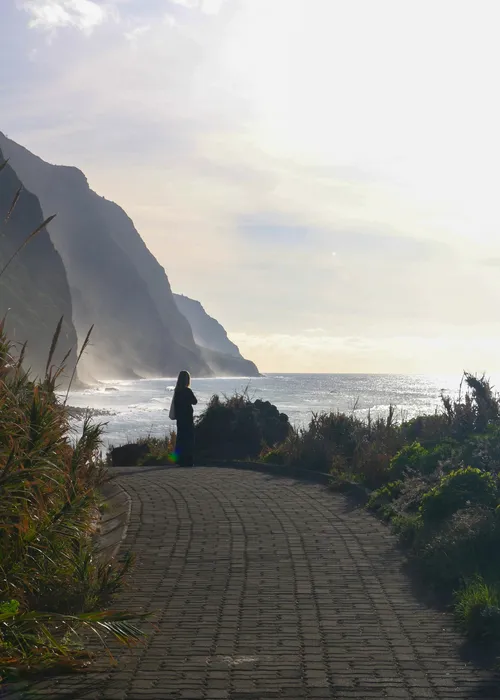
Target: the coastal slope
pixel 116 284
pixel 221 354
pixel 34 290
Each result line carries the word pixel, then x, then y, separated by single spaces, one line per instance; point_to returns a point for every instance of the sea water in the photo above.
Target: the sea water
pixel 140 408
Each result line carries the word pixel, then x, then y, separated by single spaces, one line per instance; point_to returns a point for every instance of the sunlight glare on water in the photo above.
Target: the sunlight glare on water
pixel 141 407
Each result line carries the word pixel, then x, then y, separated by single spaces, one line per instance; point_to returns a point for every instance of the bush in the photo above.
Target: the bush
pixel 238 428
pixel 328 443
pixel 463 547
pixel 160 451
pixel 370 465
pixel 478 409
pixel 410 458
pixel 338 430
pixel 412 492
pixel 345 446
pixel 456 490
pixel 272 457
pixel 428 430
pixel 409 529
pixel 129 455
pixel 477 608
pixel 483 451
pixel 384 495
pixel 418 459
pixel 381 440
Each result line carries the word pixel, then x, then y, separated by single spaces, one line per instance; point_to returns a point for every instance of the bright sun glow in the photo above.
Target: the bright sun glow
pixel 335 161
pixel 377 87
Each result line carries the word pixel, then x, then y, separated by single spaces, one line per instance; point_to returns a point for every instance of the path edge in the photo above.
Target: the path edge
pixel 115 519
pixel 349 488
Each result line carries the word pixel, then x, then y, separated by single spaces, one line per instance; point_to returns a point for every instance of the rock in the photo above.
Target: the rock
pixel 238 428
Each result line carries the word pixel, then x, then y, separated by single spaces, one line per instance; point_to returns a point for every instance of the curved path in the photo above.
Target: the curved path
pixel 267 587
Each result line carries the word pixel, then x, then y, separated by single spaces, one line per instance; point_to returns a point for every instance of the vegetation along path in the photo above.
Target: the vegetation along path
pixel 267 587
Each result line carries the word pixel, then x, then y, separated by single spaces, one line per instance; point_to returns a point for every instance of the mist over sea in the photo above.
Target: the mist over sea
pixel 141 407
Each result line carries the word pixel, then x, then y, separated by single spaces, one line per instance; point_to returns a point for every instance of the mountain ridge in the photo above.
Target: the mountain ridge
pixel 131 337
pixel 34 289
pixel 116 283
pixel 221 354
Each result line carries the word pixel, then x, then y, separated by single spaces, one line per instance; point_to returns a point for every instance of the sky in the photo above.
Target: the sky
pixel 323 175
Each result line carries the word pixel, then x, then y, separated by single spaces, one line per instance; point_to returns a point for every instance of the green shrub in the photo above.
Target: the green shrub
pixel 428 430
pixel 238 428
pixel 370 465
pixel 412 492
pixel 483 451
pixel 327 444
pixel 273 457
pixel 477 608
pixel 337 429
pixel 384 495
pixel 462 547
pixel 161 451
pixel 418 459
pixel 457 490
pixel 409 528
pixel 410 458
pixel 473 413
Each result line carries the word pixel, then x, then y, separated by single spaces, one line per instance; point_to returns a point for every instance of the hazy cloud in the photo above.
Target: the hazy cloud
pixel 389 354
pixel 209 7
pixel 54 14
pixel 134 34
pixel 250 145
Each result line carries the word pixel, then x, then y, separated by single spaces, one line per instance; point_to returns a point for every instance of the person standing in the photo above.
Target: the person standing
pixel 183 403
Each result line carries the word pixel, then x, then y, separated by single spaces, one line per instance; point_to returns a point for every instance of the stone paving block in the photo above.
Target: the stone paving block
pixel 267 587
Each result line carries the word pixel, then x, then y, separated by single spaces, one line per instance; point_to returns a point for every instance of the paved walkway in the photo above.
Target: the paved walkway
pixel 266 587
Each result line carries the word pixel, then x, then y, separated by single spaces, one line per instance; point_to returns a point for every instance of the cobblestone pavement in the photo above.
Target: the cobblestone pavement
pixel 267 587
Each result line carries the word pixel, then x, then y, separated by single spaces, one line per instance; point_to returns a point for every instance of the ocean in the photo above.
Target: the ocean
pixel 140 408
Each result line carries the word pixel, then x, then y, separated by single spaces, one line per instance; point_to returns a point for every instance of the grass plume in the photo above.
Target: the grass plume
pixel 25 243
pixel 80 354
pixel 52 584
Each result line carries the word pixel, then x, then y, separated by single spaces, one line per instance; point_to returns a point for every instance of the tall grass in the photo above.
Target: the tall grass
pixel 477 609
pixel 342 444
pixel 52 584
pixel 51 580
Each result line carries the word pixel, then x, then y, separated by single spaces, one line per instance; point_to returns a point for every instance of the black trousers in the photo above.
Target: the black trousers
pixel 184 445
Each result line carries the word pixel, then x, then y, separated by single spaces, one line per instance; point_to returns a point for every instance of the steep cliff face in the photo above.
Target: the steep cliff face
pixel 207 331
pixel 34 290
pixel 229 366
pixel 116 284
pixel 222 355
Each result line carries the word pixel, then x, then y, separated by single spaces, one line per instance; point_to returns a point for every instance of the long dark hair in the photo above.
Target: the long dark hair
pixel 183 380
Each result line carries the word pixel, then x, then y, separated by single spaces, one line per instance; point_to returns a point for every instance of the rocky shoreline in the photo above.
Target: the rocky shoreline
pixel 79 413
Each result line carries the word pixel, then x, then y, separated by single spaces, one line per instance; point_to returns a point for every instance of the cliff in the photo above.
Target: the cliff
pixel 34 290
pixel 116 284
pixel 222 355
